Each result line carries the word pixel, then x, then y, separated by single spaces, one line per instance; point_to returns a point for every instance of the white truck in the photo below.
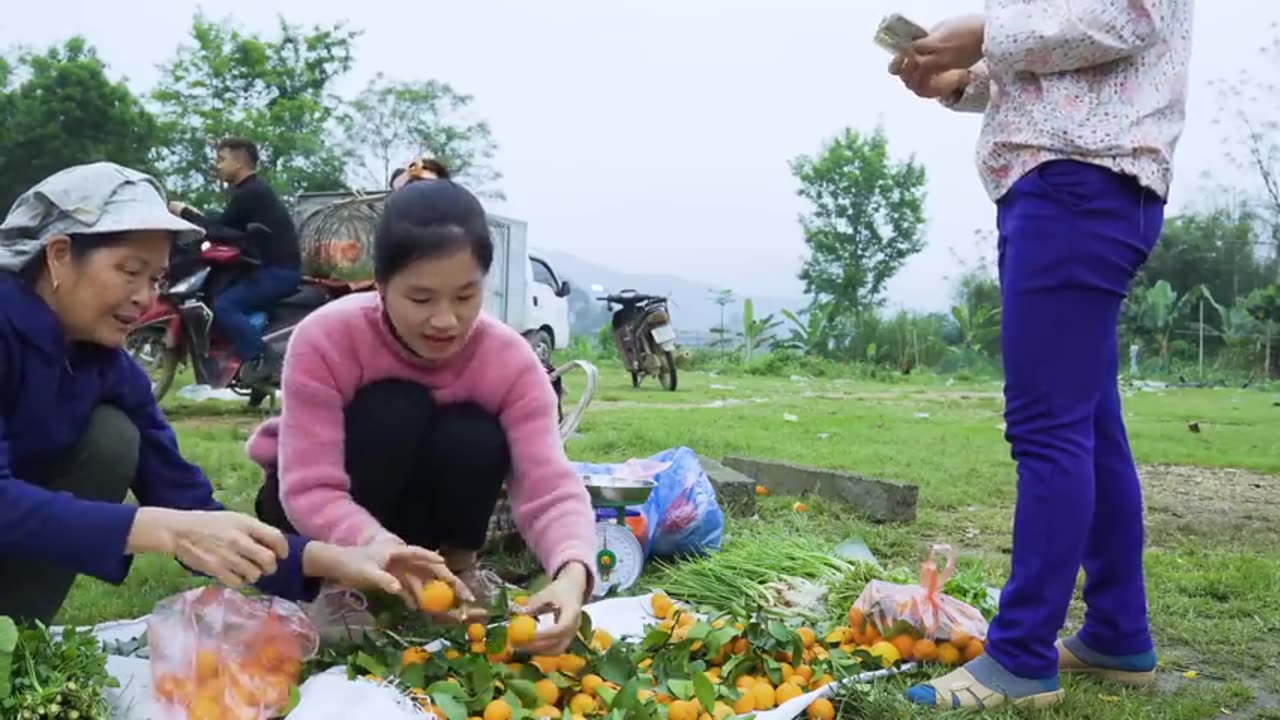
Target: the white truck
pixel 523 290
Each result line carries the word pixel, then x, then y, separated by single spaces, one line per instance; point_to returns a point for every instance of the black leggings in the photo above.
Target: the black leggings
pixel 429 473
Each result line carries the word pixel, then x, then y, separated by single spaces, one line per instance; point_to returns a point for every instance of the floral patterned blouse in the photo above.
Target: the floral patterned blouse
pixel 1101 81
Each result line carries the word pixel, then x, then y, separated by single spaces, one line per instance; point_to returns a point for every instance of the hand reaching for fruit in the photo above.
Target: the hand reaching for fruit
pixel 564 598
pixel 439 601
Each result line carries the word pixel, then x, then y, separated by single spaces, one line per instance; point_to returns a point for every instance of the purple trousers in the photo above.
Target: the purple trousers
pixel 1071 238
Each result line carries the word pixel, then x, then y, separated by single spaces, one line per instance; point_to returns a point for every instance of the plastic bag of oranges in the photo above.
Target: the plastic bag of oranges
pixel 888 610
pixel 217 654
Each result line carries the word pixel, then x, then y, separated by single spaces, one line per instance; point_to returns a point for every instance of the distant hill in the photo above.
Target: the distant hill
pixel 692 310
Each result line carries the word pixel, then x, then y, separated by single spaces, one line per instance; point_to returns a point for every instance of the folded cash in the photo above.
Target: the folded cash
pixel 896 34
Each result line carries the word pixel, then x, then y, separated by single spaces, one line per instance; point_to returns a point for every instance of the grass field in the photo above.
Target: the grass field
pixel 1213 562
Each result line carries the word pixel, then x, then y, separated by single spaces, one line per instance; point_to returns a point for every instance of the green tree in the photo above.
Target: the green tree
pixel 390 122
pixel 277 92
pixel 866 220
pixel 1217 249
pixel 58 108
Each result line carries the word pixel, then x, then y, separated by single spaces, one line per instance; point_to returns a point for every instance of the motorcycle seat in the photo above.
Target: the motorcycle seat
pixel 308 296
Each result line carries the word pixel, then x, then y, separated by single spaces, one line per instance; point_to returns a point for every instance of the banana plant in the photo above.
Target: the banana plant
pixel 756 331
pixel 1236 327
pixel 1264 306
pixel 1161 309
pixel 811 330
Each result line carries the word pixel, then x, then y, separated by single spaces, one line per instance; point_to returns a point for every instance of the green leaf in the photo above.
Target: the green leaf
pixel 525 690
pixel 451 705
pixel 682 689
pixel 781 633
pixel 615 666
pixel 365 661
pixel 705 690
pixel 717 639
pixel 295 697
pixel 699 631
pixel 773 669
pixel 501 605
pixel 585 628
pixel 496 641
pixel 414 676
pixel 444 687
pixel 609 695
pixel 8 643
pixel 655 640
pixel 481 674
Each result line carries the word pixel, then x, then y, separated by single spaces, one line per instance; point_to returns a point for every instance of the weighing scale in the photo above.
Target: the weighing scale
pixel 619 555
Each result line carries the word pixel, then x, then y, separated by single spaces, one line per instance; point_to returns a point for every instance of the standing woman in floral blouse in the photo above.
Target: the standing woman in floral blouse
pixel 1083 104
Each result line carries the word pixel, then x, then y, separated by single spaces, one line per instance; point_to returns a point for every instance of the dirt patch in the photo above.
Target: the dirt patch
pixel 1212 499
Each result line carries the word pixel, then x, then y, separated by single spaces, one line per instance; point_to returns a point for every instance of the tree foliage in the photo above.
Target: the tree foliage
pixel 866 218
pixel 59 108
pixel 278 92
pixel 387 123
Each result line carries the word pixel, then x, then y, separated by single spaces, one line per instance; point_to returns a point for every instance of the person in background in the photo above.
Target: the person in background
pixel 407 409
pixel 81 254
pixel 252 201
pixel 1083 105
pixel 423 167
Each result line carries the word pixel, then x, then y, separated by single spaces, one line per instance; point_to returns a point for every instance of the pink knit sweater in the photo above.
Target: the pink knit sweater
pixel 347 345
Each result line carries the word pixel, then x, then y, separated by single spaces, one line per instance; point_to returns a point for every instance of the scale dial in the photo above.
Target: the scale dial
pixel 619 558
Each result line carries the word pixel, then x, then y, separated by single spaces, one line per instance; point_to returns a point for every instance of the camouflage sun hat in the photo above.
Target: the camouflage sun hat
pixel 96 198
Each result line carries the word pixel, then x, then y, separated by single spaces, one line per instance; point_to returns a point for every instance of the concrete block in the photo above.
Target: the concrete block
pixel 735 491
pixel 879 500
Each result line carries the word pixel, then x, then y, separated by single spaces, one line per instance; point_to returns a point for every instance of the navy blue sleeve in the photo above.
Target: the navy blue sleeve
pixel 34 521
pixel 166 479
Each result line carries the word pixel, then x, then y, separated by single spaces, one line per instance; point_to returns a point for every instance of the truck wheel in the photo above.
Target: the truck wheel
pixel 542 344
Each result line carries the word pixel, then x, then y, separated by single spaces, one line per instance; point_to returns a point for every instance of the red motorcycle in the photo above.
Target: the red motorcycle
pixel 179 328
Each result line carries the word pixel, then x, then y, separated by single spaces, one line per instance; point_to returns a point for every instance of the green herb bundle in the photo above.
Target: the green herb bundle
pixel 61 678
pixel 755 569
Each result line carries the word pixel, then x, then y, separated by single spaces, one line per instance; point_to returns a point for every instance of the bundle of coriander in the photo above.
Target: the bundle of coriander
pixel 763 570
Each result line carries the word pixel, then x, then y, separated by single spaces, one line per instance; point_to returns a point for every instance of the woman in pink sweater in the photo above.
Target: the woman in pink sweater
pixel 406 409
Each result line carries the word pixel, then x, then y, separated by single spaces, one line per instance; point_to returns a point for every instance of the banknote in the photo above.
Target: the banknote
pixel 896 34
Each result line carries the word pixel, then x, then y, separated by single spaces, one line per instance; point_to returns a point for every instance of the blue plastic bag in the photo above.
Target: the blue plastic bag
pixel 683 514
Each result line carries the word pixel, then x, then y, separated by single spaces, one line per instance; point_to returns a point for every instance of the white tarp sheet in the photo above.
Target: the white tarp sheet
pixel 330 696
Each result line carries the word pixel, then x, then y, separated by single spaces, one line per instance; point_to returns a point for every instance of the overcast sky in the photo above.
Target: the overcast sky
pixel 655 136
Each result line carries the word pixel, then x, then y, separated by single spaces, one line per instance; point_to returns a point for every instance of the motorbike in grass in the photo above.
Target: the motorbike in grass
pixel 178 329
pixel 644 335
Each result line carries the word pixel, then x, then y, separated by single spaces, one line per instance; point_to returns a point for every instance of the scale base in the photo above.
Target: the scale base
pixel 619 558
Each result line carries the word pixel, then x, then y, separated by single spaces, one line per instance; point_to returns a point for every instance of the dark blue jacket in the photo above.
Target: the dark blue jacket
pixel 48 390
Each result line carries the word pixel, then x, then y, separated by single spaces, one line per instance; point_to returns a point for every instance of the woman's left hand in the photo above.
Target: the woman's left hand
pixel 563 597
pixel 955 44
pixel 392 567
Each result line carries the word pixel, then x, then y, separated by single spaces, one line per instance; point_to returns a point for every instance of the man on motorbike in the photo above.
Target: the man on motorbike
pixel 251 201
pixel 422 167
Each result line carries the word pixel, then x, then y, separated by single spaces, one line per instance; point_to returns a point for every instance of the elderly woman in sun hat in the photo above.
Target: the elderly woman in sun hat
pixel 81 255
